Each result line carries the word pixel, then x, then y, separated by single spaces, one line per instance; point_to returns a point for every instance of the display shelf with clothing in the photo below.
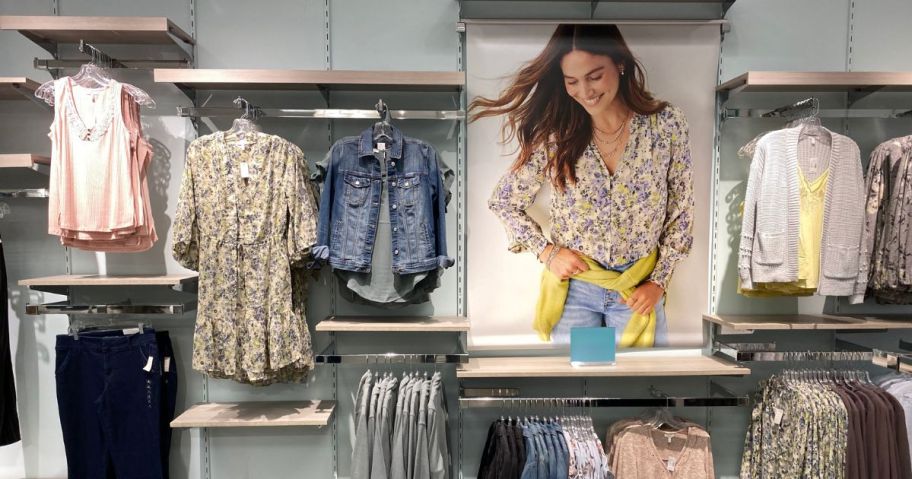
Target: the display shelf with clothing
pixel 400 427
pixel 116 396
pixel 826 424
pixel 382 224
pixel 246 220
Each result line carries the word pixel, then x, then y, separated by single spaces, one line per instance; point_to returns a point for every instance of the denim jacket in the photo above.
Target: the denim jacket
pixel 350 205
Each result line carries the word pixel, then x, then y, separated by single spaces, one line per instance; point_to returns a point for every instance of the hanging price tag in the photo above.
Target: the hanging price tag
pixel 148 366
pixel 777 415
pixel 245 170
pixel 672 462
pixel 167 365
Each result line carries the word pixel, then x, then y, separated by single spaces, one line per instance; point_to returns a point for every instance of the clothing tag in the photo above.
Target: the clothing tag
pixel 148 366
pixel 381 146
pixel 669 437
pixel 672 462
pixel 129 331
pixel 813 141
pixel 245 170
pixel 777 415
pixel 167 363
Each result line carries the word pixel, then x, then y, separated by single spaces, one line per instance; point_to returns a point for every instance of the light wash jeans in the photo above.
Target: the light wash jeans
pixel 591 306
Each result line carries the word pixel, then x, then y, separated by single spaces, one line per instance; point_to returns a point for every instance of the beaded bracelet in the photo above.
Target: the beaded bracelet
pixel 551 255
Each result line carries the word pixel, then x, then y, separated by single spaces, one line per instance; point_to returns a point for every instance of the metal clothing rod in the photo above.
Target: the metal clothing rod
pixel 25 193
pixel 583 21
pixel 600 402
pixel 764 352
pixel 328 356
pixel 63 307
pixel 733 113
pixel 329 114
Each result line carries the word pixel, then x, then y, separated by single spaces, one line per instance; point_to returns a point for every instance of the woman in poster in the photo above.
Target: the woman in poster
pixel 619 163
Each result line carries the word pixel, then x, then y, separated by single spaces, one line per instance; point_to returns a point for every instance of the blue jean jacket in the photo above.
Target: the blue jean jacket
pixel 350 205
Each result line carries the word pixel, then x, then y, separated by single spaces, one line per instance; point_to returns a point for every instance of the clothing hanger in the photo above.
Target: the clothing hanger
pixel 93 75
pixel 127 327
pixel 245 123
pixel 382 130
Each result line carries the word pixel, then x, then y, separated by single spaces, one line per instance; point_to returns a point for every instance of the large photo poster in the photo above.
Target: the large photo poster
pixel 605 182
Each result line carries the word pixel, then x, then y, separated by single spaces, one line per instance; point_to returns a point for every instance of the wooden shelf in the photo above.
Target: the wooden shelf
pixel 219 79
pixel 17 88
pixel 393 324
pixel 107 280
pixel 807 322
pixel 257 414
pixel 25 160
pixel 768 81
pixel 626 366
pixel 52 30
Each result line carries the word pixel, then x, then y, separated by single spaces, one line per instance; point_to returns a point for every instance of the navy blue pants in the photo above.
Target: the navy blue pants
pixel 114 402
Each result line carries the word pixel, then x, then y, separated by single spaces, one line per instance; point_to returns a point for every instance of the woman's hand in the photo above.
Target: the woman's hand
pixel 645 297
pixel 565 263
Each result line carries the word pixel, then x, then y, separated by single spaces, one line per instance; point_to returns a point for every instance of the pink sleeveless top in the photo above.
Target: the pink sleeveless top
pixel 98 189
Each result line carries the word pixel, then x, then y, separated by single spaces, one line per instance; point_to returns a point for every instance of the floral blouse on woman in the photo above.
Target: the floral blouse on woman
pixel 613 218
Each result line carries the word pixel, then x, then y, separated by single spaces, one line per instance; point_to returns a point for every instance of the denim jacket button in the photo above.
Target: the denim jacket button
pixel 357 183
pixel 395 251
pixel 394 206
pixel 393 183
pixel 395 228
pixel 406 184
pixel 393 163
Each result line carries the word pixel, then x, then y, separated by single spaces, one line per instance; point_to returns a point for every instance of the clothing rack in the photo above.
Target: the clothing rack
pixel 103 59
pixel 64 307
pixel 323 113
pixel 25 193
pixel 329 356
pixel 766 352
pixel 741 113
pixel 719 397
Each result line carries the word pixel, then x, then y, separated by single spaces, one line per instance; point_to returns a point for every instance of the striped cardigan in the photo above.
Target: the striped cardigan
pixel 769 228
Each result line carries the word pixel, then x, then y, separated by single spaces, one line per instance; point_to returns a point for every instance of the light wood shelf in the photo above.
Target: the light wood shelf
pixel 17 88
pixel 393 324
pixel 25 160
pixel 253 79
pixel 110 280
pixel 49 31
pixel 807 322
pixel 626 366
pixel 257 414
pixel 772 81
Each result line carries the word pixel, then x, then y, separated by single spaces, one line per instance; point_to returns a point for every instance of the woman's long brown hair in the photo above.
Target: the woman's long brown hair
pixel 539 111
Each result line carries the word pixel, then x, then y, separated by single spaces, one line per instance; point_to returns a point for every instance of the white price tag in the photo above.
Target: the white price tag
pixel 672 462
pixel 777 415
pixel 129 331
pixel 167 363
pixel 148 366
pixel 245 170
pixel 381 146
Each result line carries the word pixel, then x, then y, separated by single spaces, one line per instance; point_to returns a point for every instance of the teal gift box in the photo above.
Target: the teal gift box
pixel 592 346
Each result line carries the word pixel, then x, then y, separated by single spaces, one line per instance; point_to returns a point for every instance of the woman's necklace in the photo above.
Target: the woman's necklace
pixel 613 132
pixel 614 143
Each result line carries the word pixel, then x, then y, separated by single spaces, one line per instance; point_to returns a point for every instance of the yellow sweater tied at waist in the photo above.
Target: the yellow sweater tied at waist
pixel 640 330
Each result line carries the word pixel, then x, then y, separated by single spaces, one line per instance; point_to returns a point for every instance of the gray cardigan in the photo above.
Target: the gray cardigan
pixel 769 228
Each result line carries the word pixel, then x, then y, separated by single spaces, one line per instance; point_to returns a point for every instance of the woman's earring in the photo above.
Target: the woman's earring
pixel 622 71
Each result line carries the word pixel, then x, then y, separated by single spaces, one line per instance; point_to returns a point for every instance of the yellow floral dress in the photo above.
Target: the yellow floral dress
pixel 246 220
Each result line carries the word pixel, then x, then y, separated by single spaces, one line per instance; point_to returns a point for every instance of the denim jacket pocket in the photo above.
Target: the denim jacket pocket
pixel 409 189
pixel 357 189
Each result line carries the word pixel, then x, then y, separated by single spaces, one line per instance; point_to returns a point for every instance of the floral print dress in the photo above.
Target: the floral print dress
pixel 246 220
pixel 646 204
